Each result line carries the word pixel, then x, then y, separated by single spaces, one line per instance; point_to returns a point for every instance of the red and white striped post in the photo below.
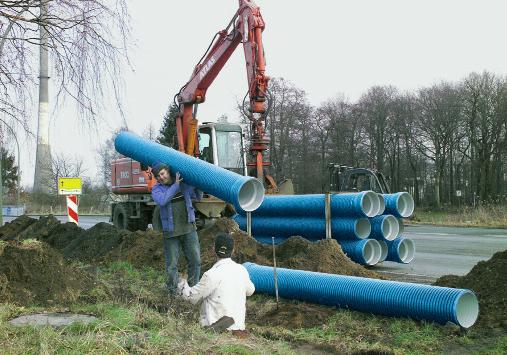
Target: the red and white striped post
pixel 72 208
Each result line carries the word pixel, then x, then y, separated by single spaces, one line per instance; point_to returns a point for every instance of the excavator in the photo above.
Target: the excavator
pixel 344 178
pixel 217 143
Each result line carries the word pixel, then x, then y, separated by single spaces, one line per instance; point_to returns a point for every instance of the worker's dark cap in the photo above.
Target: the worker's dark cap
pixel 224 244
pixel 158 167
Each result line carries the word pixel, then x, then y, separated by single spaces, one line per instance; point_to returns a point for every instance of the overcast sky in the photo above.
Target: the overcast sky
pixel 324 47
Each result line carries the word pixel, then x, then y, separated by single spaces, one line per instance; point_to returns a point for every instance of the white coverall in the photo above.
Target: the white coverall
pixel 223 290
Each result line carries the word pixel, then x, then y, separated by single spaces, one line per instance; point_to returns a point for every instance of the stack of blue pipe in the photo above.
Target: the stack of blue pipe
pixel 284 216
pixel 288 215
pixel 395 247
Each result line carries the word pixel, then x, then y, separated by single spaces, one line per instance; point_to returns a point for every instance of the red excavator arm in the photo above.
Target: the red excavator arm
pixel 245 27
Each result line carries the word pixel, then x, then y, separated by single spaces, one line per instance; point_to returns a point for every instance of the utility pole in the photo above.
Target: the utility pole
pixel 42 177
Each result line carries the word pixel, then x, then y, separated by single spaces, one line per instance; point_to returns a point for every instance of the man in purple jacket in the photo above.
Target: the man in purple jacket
pixel 178 224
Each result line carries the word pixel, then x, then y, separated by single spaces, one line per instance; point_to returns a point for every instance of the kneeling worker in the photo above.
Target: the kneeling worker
pixel 223 290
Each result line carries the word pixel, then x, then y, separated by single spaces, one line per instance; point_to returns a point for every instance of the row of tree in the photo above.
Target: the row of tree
pixel 445 144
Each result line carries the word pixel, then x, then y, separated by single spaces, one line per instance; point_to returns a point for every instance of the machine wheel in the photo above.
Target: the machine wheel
pixel 155 221
pixel 121 218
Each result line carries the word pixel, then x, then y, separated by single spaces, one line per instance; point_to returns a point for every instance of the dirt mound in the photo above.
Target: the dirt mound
pixel 488 279
pixel 104 242
pixel 10 230
pixel 71 240
pixel 295 253
pixel 140 249
pixel 31 272
pixel 146 249
pixel 92 244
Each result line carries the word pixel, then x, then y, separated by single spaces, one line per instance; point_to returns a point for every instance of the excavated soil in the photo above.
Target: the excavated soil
pixel 33 267
pixel 31 272
pixel 488 279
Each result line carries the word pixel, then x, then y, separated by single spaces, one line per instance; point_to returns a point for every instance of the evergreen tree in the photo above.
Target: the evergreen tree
pixel 9 171
pixel 167 134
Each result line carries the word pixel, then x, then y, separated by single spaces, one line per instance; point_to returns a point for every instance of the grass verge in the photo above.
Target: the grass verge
pixel 491 216
pixel 136 316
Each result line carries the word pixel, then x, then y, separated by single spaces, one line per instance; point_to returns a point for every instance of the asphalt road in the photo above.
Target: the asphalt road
pixel 439 250
pixel 445 250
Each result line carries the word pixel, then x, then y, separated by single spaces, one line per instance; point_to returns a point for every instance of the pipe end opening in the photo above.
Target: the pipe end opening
pixel 467 309
pixel 405 205
pixel 251 195
pixel 372 252
pixel 406 250
pixel 370 204
pixel 362 228
pixel 390 227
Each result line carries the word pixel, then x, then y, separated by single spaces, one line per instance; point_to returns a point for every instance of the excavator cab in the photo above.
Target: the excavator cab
pixel 349 179
pixel 222 144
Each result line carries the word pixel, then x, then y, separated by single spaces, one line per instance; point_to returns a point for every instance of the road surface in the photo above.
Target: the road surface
pixel 439 250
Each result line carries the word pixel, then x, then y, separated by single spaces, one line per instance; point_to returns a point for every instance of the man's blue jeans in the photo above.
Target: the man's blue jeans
pixel 189 243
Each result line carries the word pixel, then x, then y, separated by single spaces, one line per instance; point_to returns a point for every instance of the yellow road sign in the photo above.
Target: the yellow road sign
pixel 69 186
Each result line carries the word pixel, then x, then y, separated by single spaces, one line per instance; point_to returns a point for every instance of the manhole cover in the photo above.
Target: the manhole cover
pixel 53 319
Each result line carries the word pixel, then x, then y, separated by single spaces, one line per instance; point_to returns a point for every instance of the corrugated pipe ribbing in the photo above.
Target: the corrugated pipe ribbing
pixel 364 252
pixel 361 204
pixel 385 227
pixel 308 227
pixel 400 204
pixel 439 304
pixel 244 192
pixel 401 250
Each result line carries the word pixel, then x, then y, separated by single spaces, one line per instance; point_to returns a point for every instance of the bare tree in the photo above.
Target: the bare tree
pixel 65 166
pixel 105 155
pixel 87 41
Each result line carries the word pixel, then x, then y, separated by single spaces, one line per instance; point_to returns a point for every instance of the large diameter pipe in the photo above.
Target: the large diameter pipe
pixel 308 227
pixel 244 192
pixel 390 298
pixel 385 227
pixel 401 250
pixel 361 204
pixel 400 204
pixel 364 252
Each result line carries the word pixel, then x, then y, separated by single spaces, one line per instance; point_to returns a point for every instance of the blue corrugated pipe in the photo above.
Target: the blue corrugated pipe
pixel 244 192
pixel 439 304
pixel 308 227
pixel 401 250
pixel 385 227
pixel 361 204
pixel 364 252
pixel 400 204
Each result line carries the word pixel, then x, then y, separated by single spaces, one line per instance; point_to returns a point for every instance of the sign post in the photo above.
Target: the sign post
pixel 70 187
